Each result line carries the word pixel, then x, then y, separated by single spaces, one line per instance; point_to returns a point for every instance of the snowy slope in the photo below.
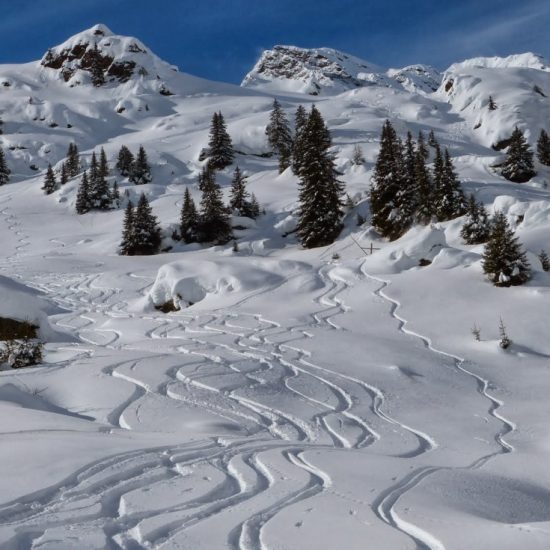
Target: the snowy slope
pixel 519 85
pixel 303 400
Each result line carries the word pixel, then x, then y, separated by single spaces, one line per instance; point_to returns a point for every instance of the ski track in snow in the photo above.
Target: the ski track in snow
pixel 265 356
pixel 385 504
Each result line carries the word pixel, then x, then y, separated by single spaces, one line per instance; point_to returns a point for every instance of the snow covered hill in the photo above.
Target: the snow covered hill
pixel 324 398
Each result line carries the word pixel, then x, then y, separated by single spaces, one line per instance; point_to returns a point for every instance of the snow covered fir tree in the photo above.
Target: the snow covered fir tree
pixel 504 261
pixel 518 166
pixel 279 136
pixel 220 152
pixel 302 323
pixel 320 214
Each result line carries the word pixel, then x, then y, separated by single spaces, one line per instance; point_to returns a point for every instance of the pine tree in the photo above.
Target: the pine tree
pixel 141 171
pixel 127 245
pixel 504 262
pixel 518 166
pixel 64 176
pixel 96 67
pixel 357 157
pixel 421 146
pixel 544 260
pixel 115 196
pixel 205 177
pixel 73 161
pixel 253 207
pixel 125 161
pixel 450 202
pixel 279 136
pixel 432 141
pixel 504 341
pixel 99 191
pixel 389 181
pixel 320 216
pixel 50 183
pixel 214 224
pixel 189 219
pixel 146 231
pixel 220 147
pixel 543 148
pixel 83 203
pixel 406 199
pixel 300 121
pixel 238 199
pixel 4 170
pixel 492 105
pixel 425 211
pixel 103 164
pixel 477 226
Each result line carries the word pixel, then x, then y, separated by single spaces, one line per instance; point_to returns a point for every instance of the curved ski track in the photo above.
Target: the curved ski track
pixel 260 358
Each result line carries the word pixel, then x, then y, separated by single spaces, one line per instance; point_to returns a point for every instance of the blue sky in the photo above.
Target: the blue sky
pixel 221 39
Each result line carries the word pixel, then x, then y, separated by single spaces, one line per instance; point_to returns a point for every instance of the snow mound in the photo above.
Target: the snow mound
pixel 417 247
pixel 21 303
pixel 187 282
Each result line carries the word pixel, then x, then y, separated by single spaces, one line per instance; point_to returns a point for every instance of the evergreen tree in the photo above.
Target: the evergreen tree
pixel 4 170
pixel 214 224
pixel 421 146
pixel 504 262
pixel 544 260
pixel 492 105
pixel 83 202
pixel 320 191
pixel 127 245
pixel 450 202
pixel 220 147
pixel 206 177
pixel 238 199
pixel 389 182
pixel 189 219
pixel 253 207
pixel 115 196
pixel 146 231
pixel 141 171
pixel 518 166
pixel 125 161
pixel 432 141
pixel 357 157
pixel 300 121
pixel 543 148
pixel 103 164
pixel 96 67
pixel 425 211
pixel 50 183
pixel 99 192
pixel 477 226
pixel 279 136
pixel 64 177
pixel 73 161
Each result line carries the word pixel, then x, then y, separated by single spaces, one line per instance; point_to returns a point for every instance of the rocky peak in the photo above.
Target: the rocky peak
pixel 120 57
pixel 322 71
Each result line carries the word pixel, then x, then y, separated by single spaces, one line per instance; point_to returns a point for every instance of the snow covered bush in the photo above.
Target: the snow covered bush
pixel 21 353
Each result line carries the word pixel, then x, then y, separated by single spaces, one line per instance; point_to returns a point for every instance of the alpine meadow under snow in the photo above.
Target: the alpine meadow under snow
pixel 341 344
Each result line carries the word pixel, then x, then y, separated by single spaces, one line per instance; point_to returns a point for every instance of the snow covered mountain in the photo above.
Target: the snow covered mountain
pixel 519 86
pixel 299 398
pixel 322 71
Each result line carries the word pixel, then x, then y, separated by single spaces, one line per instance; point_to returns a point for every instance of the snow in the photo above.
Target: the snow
pixel 299 398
